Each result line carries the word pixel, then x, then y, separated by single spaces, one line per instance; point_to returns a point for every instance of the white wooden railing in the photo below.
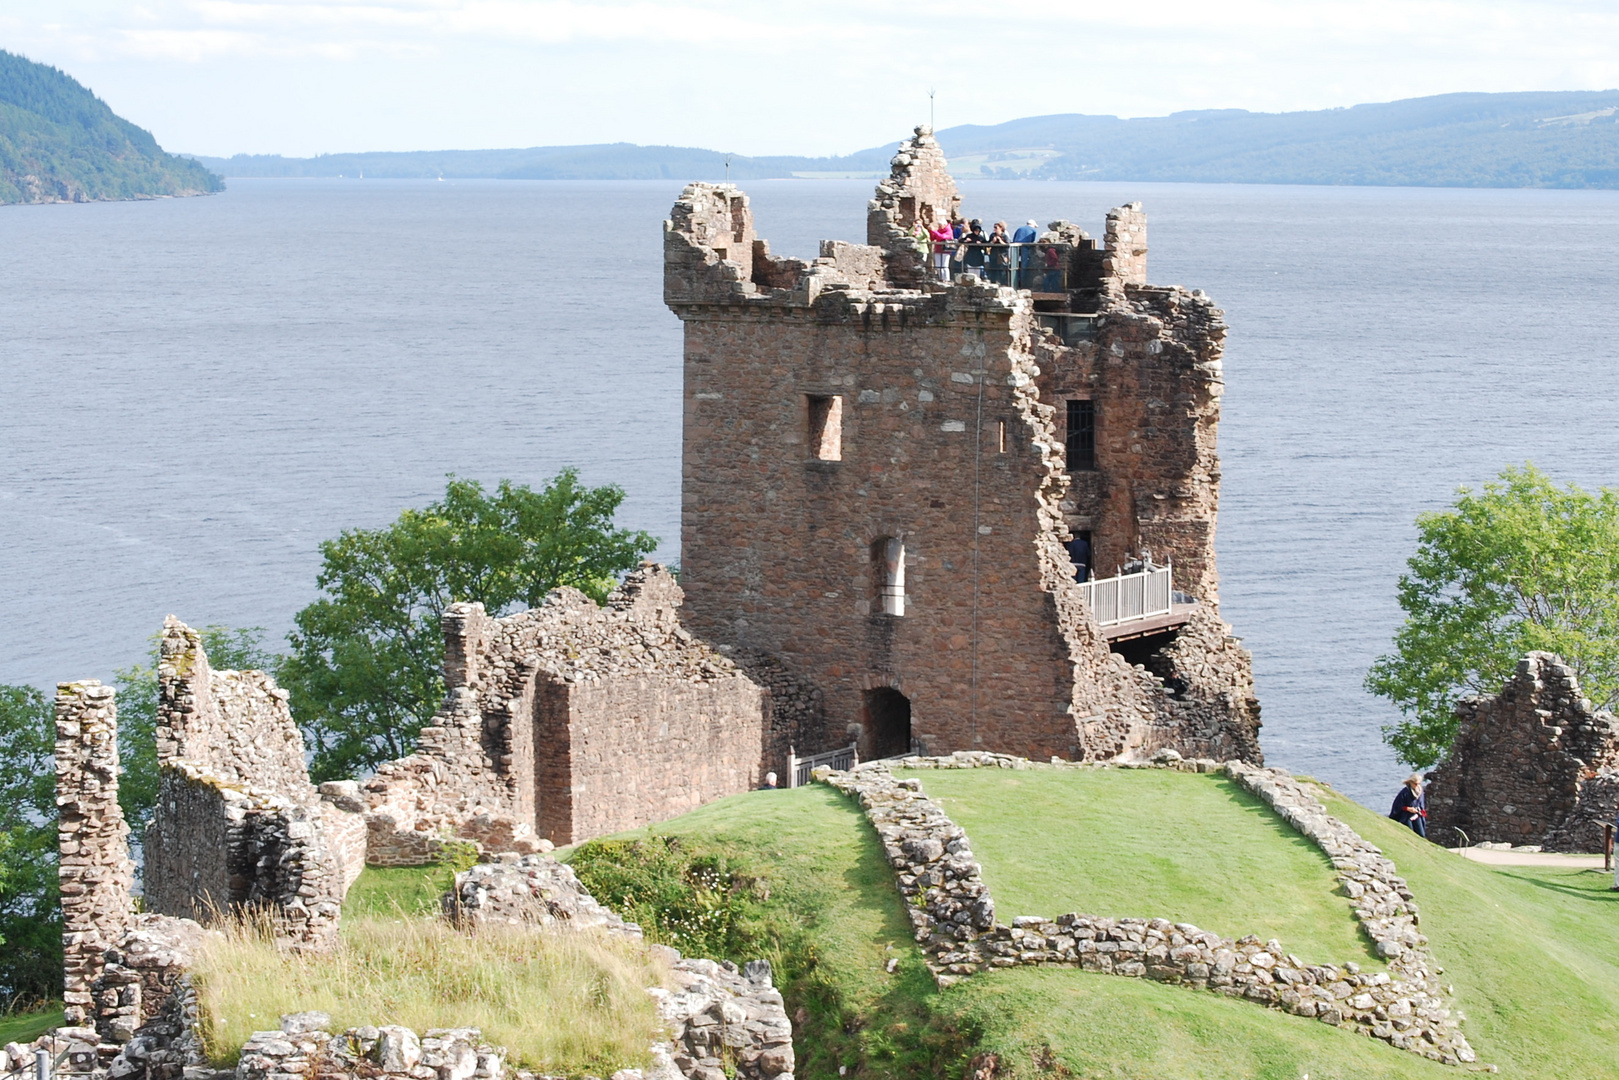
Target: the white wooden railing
pixel 799 769
pixel 1129 597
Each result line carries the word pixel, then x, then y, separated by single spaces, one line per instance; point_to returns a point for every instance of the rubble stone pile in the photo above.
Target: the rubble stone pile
pixel 534 890
pixel 722 1022
pixel 717 1014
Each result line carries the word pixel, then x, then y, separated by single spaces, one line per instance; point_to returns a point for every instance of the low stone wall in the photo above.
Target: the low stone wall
pixel 1524 763
pixel 952 914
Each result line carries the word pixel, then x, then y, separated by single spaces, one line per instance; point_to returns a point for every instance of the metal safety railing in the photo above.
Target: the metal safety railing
pixel 1129 597
pixel 799 769
pixel 1036 267
pixel 44 1066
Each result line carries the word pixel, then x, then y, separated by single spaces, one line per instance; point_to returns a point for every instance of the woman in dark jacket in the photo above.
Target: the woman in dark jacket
pixel 976 245
pixel 1411 806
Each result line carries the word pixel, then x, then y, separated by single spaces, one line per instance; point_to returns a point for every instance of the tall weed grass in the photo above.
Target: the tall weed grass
pixel 565 1002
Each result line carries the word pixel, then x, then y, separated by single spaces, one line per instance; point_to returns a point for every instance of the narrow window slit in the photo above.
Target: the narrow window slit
pixel 826 427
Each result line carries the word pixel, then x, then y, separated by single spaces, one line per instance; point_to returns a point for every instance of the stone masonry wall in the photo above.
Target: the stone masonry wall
pixel 97 874
pixel 237 822
pixel 1529 766
pixel 631 750
pixel 120 969
pixel 948 396
pixel 567 721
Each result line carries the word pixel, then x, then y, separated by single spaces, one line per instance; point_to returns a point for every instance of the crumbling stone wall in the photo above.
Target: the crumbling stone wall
pixel 568 721
pixel 97 874
pixel 1532 765
pixel 119 969
pixel 948 397
pixel 237 822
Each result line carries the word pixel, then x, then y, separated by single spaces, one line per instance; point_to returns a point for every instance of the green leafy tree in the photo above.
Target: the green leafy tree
pixel 30 911
pixel 228 649
pixel 1518 566
pixel 366 669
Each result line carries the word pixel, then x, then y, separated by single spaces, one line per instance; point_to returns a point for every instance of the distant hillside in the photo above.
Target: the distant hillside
pixel 1553 139
pixel 61 143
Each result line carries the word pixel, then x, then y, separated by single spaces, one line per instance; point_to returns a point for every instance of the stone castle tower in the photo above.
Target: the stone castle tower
pixel 885 474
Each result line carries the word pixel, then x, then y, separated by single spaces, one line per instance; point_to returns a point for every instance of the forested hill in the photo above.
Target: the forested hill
pixel 1552 139
pixel 61 143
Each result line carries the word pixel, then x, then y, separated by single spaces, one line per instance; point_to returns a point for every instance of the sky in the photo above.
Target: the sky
pixel 302 77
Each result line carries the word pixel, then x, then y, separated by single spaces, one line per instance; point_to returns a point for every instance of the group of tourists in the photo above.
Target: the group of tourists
pixel 1016 259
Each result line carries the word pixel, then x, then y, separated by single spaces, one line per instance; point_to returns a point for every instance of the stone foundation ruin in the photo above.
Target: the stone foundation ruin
pixel 1534 765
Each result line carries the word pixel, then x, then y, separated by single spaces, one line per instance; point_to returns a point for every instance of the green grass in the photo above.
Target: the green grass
pixel 833 920
pixel 1533 953
pixel 837 919
pixel 1149 844
pixel 22 1027
pixel 390 891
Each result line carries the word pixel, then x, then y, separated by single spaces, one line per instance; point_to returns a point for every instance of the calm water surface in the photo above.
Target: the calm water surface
pixel 194 393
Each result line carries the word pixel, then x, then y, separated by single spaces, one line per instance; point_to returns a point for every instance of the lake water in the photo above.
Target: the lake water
pixel 194 393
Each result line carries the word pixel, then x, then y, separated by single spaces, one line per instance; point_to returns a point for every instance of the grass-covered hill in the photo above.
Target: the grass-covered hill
pixel 61 143
pixel 798 876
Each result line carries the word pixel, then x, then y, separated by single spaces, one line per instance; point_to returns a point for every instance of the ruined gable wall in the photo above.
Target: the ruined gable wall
pixel 776 545
pixel 96 873
pixel 1521 758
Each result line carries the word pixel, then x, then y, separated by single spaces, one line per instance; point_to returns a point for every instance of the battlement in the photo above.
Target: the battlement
pixel 713 256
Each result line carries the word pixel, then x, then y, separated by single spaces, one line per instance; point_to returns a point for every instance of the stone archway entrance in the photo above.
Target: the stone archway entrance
pixel 887 724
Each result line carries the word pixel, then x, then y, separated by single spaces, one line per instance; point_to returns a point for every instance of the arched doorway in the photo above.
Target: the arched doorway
pixel 887 723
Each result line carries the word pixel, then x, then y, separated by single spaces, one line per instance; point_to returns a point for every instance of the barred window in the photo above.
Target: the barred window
pixel 1081 434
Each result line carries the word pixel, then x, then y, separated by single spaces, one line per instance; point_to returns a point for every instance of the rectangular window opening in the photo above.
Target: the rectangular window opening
pixel 1000 445
pixel 1081 441
pixel 826 427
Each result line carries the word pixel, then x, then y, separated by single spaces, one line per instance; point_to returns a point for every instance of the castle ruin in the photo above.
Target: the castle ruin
pixel 888 478
pixel 883 470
